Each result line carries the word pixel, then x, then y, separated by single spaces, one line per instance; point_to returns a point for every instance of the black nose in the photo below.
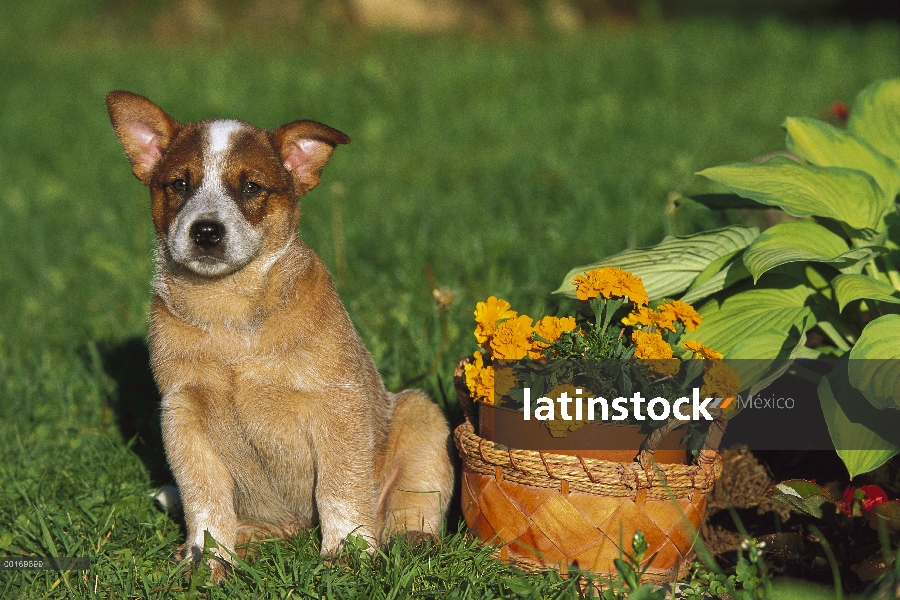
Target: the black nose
pixel 207 234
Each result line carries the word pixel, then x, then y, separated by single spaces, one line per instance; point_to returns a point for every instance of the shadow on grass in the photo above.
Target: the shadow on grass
pixel 136 403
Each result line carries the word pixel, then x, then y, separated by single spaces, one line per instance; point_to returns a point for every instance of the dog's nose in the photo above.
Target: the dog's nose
pixel 207 234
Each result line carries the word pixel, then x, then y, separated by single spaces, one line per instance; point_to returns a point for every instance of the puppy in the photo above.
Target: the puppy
pixel 274 416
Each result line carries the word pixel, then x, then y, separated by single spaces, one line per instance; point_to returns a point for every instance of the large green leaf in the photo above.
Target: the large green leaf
pixel 731 274
pixel 796 241
pixel 782 307
pixel 875 362
pixel 846 195
pixel 875 117
pixel 827 146
pixel 848 288
pixel 721 201
pixel 801 495
pixel 757 374
pixel 669 267
pixel 863 436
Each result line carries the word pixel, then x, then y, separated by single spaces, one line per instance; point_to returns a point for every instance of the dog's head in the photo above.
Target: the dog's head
pixel 223 192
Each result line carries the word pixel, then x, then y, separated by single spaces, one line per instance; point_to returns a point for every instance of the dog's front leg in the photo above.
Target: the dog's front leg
pixel 204 482
pixel 346 494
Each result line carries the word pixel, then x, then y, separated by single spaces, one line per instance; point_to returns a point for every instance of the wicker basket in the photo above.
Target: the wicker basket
pixel 547 510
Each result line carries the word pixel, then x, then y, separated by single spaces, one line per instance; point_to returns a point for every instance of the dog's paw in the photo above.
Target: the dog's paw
pixel 415 538
pixel 182 553
pixel 219 569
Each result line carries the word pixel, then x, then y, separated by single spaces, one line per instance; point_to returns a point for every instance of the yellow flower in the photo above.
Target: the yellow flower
pixel 549 328
pixel 720 381
pixel 558 426
pixel 646 316
pixel 650 345
pixel 504 380
pixel 663 366
pixel 631 286
pixel 480 380
pixel 610 282
pixel 591 284
pixel 701 351
pixel 682 311
pixel 486 316
pixel 512 338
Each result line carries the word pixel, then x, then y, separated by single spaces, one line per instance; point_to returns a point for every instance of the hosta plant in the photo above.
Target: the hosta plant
pixel 831 267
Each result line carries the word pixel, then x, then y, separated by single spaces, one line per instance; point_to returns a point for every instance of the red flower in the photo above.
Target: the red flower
pixel 866 498
pixel 874 496
pixel 840 110
pixel 846 503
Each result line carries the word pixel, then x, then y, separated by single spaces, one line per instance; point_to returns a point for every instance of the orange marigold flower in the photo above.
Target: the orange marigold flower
pixel 701 351
pixel 486 316
pixel 663 366
pixel 591 284
pixel 504 380
pixel 720 381
pixel 646 316
pixel 549 328
pixel 631 286
pixel 512 338
pixel 558 426
pixel 683 312
pixel 610 282
pixel 480 380
pixel 650 345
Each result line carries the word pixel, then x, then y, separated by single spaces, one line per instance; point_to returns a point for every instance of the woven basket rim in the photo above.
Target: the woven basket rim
pixel 589 475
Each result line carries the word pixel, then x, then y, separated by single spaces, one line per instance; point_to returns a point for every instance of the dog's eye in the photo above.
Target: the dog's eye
pixel 250 189
pixel 179 185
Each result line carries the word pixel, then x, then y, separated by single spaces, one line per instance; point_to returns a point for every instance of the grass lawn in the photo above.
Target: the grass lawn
pixel 499 163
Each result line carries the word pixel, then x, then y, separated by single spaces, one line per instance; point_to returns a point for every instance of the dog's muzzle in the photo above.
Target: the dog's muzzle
pixel 207 234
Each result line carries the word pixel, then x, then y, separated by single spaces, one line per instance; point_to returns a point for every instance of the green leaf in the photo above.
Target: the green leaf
pixel 875 362
pixel 801 495
pixel 626 572
pixel 770 355
pixel 669 267
pixel 727 277
pixel 887 513
pixel 714 268
pixel 875 117
pixel 837 193
pixel 827 146
pixel 796 241
pixel 781 306
pixel 6 540
pixel 848 288
pixel 863 436
pixel 722 201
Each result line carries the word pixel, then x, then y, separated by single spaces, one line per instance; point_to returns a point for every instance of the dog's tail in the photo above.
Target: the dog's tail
pixel 419 483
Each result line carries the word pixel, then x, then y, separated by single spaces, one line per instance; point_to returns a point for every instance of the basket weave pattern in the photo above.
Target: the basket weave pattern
pixel 553 510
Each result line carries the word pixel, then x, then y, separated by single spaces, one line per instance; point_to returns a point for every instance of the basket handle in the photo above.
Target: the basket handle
pixel 710 443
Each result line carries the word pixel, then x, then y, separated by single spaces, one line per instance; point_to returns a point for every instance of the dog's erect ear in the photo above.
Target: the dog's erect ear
pixel 143 128
pixel 305 147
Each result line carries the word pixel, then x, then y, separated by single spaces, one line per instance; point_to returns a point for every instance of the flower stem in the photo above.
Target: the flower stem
pixel 835 570
pixel 829 330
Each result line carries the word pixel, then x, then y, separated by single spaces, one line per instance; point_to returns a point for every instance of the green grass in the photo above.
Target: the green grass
pixel 500 162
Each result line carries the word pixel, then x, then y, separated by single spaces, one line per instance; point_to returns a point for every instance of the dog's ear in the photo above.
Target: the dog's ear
pixel 143 128
pixel 305 147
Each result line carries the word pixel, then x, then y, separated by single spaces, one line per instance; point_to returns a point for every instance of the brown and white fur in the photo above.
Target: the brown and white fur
pixel 274 415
